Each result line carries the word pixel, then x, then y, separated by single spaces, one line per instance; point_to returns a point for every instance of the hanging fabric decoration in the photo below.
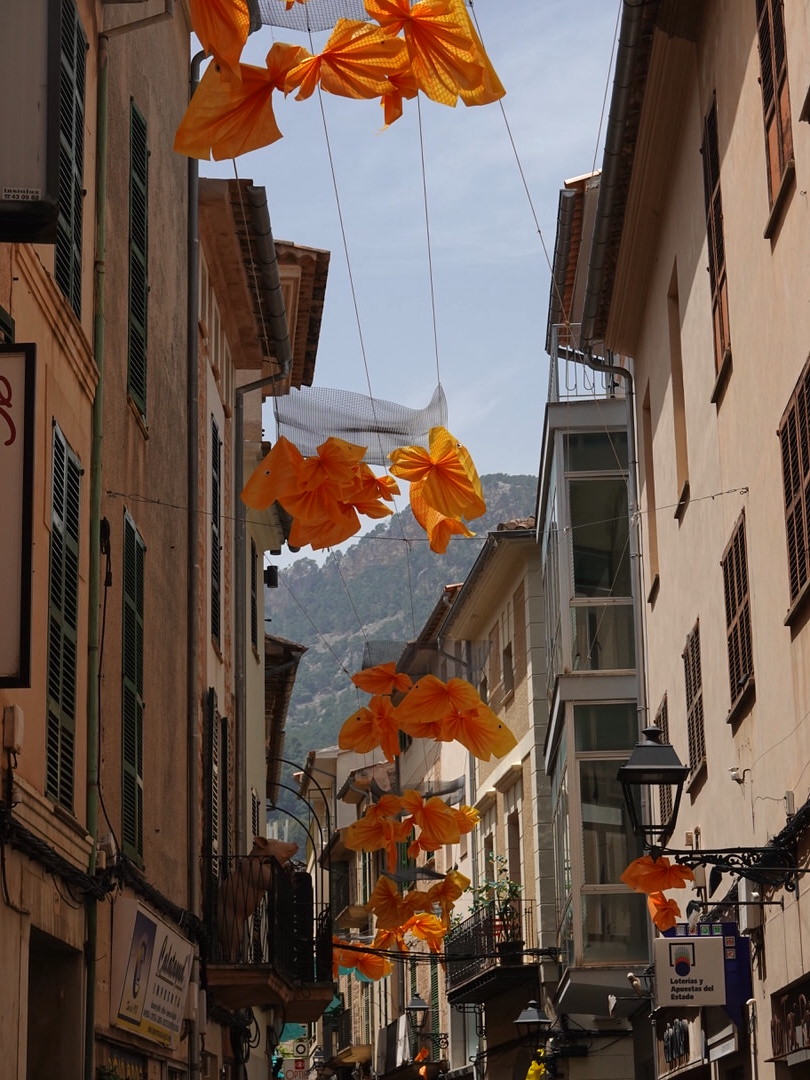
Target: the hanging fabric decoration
pixel 382 679
pixel 454 711
pixel 371 727
pixel 450 482
pixel 438 527
pixel 400 86
pixel 390 940
pixel 366 965
pixel 222 27
pixel 428 928
pixel 323 493
pixel 445 893
pixel 378 829
pixel 663 912
pixel 354 63
pixel 649 875
pixel 228 116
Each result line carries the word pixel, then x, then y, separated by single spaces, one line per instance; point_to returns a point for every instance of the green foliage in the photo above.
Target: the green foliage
pixel 499 894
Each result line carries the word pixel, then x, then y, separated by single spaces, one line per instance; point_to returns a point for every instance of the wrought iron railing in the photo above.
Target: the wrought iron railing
pixel 488 938
pixel 260 913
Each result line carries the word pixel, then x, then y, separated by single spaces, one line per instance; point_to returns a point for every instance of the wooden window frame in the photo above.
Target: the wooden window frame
pixel 775 96
pixel 138 294
pixel 794 438
pixel 695 721
pixel 216 533
pixel 738 615
pixel 132 691
pixel 72 77
pixel 665 794
pixel 63 618
pixel 718 282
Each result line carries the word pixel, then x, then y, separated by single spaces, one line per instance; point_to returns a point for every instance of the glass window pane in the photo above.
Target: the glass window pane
pixel 614 928
pixel 603 638
pixel 608 842
pixel 600 533
pixel 596 451
pixel 602 726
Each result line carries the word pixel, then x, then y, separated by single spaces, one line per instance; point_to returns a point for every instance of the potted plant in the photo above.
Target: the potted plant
pixel 500 895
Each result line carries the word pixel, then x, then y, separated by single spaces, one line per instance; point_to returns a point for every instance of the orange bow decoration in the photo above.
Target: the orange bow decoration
pixel 370 727
pixel 454 711
pixel 428 928
pixel 445 893
pixel 369 965
pixel 663 912
pixel 648 875
pixel 382 679
pixel 392 940
pixel 378 829
pixel 438 527
pixel 228 115
pixel 436 820
pixel 388 905
pixel 450 482
pixel 355 63
pixel 400 86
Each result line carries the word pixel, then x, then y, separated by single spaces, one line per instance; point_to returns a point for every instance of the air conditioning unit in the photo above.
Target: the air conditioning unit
pixel 750 909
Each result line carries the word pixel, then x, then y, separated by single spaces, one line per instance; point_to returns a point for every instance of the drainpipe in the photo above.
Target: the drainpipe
pixel 94 584
pixel 629 39
pixel 276 327
pixel 193 703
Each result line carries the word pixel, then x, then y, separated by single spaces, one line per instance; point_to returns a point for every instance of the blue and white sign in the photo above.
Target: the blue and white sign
pixel 689 971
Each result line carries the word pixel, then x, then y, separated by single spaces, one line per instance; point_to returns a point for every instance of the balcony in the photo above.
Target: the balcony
pixel 266 943
pixel 485 952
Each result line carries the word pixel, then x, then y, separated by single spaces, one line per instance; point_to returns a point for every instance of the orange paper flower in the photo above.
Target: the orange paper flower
pixel 650 875
pixel 451 483
pixel 400 86
pixel 366 963
pixel 663 912
pixel 454 711
pixel 382 679
pixel 355 63
pixel 436 820
pixel 378 829
pixel 388 905
pixel 371 727
pixel 427 928
pixel 445 893
pixel 392 940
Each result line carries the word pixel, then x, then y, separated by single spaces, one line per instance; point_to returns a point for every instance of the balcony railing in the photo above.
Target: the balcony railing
pixel 260 913
pixel 486 940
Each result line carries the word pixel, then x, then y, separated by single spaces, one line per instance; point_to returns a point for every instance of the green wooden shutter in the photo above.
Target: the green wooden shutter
pixel 138 258
pixel 6 328
pixel 216 508
pixel 132 704
pixel 63 612
pixel 254 596
pixel 73 59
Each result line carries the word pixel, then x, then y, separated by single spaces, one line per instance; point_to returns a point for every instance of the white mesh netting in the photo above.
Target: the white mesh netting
pixel 313 15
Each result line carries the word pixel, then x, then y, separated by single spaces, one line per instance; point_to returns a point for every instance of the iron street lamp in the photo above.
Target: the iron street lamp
pixel 533 1025
pixel 655 764
pixel 417 1011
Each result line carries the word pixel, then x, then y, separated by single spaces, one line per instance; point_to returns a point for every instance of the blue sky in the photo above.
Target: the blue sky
pixel 490 273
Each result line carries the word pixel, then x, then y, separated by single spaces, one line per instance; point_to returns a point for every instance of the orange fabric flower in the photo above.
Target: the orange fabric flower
pixel 388 905
pixel 663 912
pixel 439 44
pixel 227 117
pixel 451 483
pixel 378 829
pixel 427 928
pixel 222 27
pixel 445 893
pixel 355 63
pixel 490 88
pixel 467 817
pixel 454 711
pixel 423 1053
pixel 438 527
pixel 365 962
pixel 371 727
pixel 392 940
pixel 274 476
pixel 650 875
pixel 382 679
pixel 436 820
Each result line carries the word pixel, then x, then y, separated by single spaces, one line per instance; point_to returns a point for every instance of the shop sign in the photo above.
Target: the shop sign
pixel 790 1019
pixel 151 970
pixel 127 1066
pixel 17 370
pixel 689 971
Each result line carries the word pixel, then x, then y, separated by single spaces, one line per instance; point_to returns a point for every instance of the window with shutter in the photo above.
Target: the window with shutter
pixel 665 793
pixel 216 542
pixel 255 813
pixel 794 438
pixel 738 613
pixel 133 704
pixel 519 643
pixel 73 61
pixel 694 699
pixel 138 258
pixel 714 228
pixel 6 328
pixel 775 93
pixel 63 613
pixel 211 825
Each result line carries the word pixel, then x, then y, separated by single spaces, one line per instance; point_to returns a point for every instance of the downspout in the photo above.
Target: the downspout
pixel 94 590
pixel 276 327
pixel 193 703
pixel 629 38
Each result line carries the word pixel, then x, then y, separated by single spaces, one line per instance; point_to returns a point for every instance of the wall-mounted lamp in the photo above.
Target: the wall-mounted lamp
pixel 417 1011
pixel 549 1043
pixel 655 764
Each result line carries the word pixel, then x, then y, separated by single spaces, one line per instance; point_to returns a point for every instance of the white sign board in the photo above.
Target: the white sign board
pixel 689 971
pixel 17 367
